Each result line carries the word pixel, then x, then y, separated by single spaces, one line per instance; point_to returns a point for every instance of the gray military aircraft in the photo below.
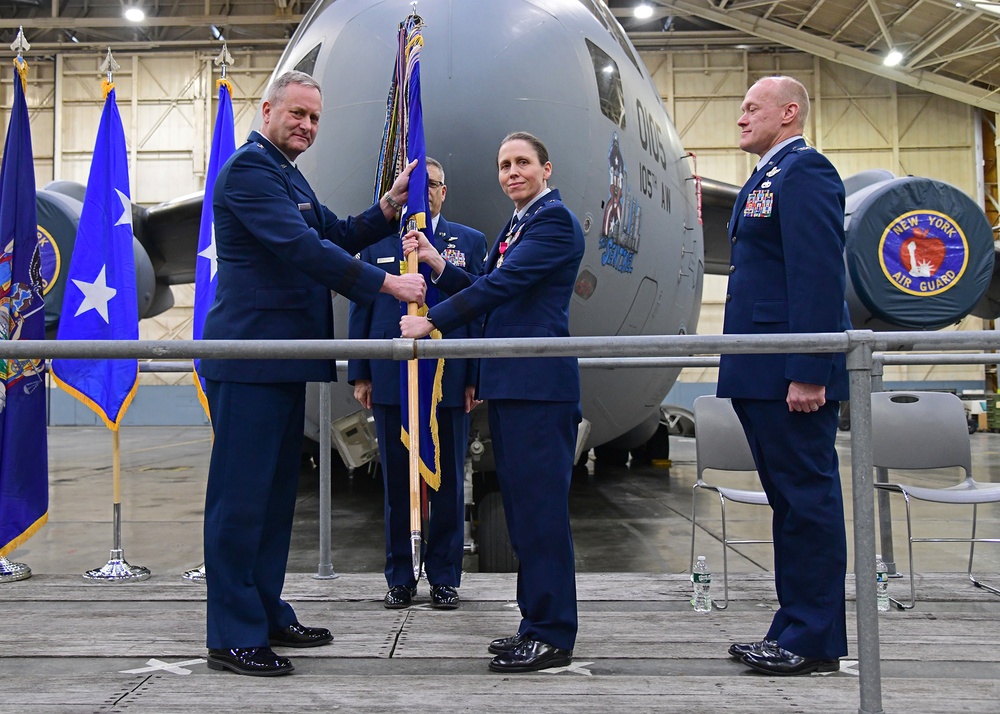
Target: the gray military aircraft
pixel 920 253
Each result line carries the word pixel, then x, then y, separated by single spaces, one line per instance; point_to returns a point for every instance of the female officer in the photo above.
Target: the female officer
pixel 533 402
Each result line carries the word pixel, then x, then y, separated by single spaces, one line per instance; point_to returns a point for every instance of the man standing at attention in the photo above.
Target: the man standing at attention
pixel 377 387
pixel 787 276
pixel 280 253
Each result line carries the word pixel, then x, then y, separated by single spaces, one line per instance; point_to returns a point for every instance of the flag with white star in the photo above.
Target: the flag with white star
pixel 205 281
pixel 100 299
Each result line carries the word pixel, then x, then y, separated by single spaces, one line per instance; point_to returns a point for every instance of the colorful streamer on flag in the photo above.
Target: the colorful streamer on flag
pixel 24 469
pixel 205 278
pixel 402 142
pixel 100 299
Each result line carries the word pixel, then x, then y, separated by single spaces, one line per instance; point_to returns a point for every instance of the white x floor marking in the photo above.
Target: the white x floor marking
pixel 155 665
pixel 846 666
pixel 575 668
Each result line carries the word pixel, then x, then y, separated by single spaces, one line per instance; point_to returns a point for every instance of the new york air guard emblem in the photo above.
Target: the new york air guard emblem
pixel 923 252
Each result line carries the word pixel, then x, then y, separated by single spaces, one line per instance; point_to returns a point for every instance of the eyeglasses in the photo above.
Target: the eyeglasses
pixel 434 184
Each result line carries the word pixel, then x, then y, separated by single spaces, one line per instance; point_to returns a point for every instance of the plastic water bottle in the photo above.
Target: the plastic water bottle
pixel 881 584
pixel 702 579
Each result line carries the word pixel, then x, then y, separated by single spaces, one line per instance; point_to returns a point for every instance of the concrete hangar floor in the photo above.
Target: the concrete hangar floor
pixel 71 645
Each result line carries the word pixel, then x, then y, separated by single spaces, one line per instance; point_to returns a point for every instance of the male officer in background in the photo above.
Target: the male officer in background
pixel 787 276
pixel 280 253
pixel 377 387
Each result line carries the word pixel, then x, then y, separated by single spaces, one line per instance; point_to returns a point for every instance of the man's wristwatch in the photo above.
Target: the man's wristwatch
pixel 392 204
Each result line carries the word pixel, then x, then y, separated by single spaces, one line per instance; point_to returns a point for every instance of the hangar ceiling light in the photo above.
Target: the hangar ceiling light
pixel 134 14
pixel 643 11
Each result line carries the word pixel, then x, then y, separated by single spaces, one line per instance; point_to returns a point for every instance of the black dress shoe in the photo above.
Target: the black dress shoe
pixel 505 644
pixel 296 635
pixel 777 661
pixel 531 656
pixel 255 661
pixel 398 597
pixel 444 597
pixel 738 649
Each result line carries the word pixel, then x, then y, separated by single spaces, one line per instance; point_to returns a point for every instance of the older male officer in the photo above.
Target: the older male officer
pixel 787 276
pixel 377 387
pixel 280 253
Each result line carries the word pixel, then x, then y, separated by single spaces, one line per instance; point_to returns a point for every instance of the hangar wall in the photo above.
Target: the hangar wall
pixel 858 120
pixel 167 102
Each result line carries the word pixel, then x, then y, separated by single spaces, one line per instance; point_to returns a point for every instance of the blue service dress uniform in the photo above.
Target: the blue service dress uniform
pixel 465 248
pixel 787 276
pixel 280 253
pixel 534 402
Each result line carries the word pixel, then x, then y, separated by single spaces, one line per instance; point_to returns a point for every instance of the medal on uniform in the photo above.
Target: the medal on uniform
pixel 506 243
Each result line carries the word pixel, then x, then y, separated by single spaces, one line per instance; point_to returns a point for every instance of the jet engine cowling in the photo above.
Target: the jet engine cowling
pixel 58 208
pixel 919 252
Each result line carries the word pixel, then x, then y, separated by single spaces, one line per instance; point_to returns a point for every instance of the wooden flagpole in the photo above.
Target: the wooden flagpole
pixel 413 404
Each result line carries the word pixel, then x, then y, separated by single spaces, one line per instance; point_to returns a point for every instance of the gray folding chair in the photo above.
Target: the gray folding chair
pixel 928 430
pixel 721 445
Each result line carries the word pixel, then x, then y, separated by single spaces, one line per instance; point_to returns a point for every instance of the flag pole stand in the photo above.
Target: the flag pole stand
pixel 117 569
pixel 195 574
pixel 10 571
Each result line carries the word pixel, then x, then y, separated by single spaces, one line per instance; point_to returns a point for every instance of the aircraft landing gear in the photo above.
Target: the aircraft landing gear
pixel 493 542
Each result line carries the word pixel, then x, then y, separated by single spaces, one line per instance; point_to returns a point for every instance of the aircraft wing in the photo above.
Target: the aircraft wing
pixel 169 233
pixel 717 199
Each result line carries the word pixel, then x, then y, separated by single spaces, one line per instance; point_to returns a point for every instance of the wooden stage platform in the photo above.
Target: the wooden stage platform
pixel 70 645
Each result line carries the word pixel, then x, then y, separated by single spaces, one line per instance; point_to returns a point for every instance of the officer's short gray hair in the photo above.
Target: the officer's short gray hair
pixel 435 162
pixel 276 92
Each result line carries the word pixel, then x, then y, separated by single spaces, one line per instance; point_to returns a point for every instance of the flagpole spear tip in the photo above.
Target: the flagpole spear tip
pixel 109 66
pixel 224 59
pixel 20 44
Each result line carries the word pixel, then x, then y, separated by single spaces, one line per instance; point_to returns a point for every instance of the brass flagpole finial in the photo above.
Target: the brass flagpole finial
pixel 108 66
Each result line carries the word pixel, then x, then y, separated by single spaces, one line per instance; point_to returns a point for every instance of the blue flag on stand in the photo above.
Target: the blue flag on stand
pixel 205 280
pixel 100 298
pixel 416 215
pixel 24 470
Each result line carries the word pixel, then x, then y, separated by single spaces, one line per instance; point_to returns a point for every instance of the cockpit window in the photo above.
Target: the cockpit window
pixel 308 63
pixel 600 10
pixel 609 85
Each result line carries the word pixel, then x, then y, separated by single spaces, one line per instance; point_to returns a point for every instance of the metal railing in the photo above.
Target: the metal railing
pixel 865 356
